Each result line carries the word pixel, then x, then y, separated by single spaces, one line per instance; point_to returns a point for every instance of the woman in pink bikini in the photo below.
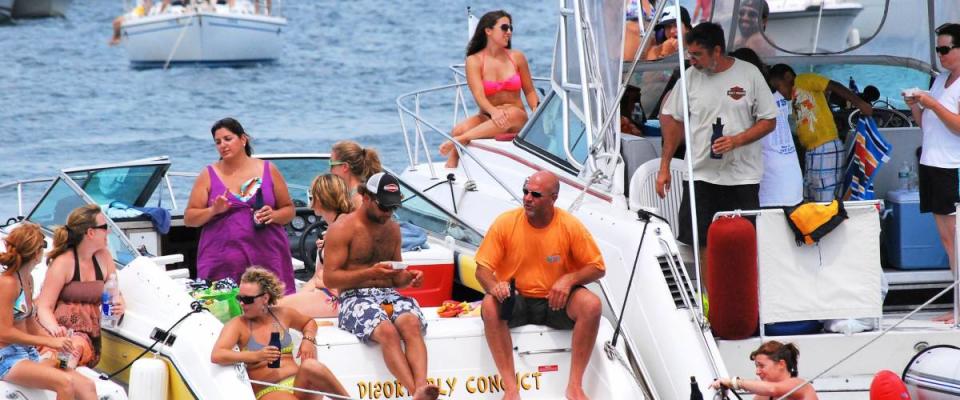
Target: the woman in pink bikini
pixel 495 75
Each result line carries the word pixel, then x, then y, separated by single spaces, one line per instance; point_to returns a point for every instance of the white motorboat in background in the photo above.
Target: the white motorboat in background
pixel 204 34
pixel 40 8
pixel 792 25
pixel 6 10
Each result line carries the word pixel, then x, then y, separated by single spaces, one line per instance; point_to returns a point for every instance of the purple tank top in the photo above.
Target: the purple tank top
pixel 229 243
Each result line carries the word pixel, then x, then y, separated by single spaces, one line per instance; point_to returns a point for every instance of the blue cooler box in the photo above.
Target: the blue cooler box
pixel 912 241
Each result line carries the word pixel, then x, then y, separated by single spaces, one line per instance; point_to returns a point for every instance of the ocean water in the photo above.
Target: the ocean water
pixel 67 99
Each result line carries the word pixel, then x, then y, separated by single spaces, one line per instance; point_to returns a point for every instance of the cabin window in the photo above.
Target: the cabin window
pixel 299 174
pixel 545 134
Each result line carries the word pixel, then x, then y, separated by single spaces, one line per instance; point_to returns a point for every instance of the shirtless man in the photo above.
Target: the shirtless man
pixel 357 253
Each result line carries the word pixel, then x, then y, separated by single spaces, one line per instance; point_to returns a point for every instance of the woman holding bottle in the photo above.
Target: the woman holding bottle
pixel 78 267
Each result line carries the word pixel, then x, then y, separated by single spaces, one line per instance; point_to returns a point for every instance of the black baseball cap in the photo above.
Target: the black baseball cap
pixel 385 188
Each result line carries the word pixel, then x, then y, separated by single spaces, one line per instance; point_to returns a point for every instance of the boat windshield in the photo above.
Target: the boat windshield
pixel 299 173
pixel 544 134
pixel 424 213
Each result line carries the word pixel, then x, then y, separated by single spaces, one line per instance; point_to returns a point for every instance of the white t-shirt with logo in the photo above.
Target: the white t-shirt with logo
pixel 782 182
pixel 740 97
pixel 941 147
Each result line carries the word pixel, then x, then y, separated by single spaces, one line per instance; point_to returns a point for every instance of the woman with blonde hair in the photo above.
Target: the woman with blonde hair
pixel 20 335
pixel 354 164
pixel 258 295
pixel 329 200
pixel 496 74
pixel 78 267
pixel 776 365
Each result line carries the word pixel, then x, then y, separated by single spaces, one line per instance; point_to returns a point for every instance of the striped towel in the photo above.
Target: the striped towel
pixel 869 152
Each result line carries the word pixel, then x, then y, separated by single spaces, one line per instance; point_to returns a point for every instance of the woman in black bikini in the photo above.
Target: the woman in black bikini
pixel 259 291
pixel 330 200
pixel 776 365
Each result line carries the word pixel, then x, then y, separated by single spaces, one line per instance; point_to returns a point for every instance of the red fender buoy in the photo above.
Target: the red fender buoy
pixel 731 277
pixel 887 385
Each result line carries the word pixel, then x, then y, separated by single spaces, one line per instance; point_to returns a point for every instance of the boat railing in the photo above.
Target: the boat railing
pixel 410 106
pixel 19 184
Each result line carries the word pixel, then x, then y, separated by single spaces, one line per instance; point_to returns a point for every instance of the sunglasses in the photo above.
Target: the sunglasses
pixel 506 27
pixel 334 163
pixel 104 227
pixel 944 50
pixel 386 208
pixel 535 195
pixel 248 299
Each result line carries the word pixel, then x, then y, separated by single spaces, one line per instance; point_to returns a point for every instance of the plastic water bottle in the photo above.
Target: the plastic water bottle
pixel 903 175
pixel 636 115
pixel 107 320
pixel 65 358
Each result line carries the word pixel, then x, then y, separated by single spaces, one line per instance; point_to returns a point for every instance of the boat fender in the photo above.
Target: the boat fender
pixel 932 373
pixel 731 277
pixel 887 385
pixel 148 379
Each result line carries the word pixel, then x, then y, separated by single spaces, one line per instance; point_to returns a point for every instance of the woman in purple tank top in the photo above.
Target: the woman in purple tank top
pixel 242 203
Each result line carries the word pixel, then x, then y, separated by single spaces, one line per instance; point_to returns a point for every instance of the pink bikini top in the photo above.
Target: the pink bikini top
pixel 493 87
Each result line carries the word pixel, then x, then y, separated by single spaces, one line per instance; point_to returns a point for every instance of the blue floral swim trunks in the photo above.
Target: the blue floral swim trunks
pixel 361 310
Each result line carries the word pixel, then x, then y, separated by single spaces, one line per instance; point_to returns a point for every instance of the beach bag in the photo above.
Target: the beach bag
pixel 810 222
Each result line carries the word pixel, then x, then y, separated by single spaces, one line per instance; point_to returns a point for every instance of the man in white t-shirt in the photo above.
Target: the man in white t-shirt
pixel 937 112
pixel 782 183
pixel 727 96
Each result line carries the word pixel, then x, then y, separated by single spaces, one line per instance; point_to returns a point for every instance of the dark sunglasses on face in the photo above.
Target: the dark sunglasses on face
pixel 944 50
pixel 248 299
pixel 535 195
pixel 104 227
pixel 386 208
pixel 506 27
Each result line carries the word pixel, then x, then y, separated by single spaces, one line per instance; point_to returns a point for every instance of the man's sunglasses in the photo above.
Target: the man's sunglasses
pixel 386 208
pixel 944 50
pixel 104 227
pixel 535 195
pixel 506 27
pixel 248 299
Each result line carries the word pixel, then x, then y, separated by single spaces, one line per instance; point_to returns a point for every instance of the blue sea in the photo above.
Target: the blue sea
pixel 68 99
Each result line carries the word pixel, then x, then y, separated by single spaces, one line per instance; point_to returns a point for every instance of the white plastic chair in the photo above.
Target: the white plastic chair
pixel 643 190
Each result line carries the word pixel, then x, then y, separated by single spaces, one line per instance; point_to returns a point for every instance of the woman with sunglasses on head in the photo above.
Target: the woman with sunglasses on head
pixel 776 365
pixel 354 164
pixel 495 75
pixel 78 266
pixel 937 114
pixel 242 204
pixel 20 335
pixel 251 332
pixel 329 200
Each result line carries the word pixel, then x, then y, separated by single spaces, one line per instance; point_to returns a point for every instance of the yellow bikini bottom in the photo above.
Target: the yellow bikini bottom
pixel 285 385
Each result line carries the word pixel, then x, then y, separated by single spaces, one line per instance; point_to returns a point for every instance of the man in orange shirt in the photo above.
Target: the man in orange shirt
pixel 547 255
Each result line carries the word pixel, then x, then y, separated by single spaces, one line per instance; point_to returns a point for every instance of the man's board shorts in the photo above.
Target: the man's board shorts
pixel 11 354
pixel 537 311
pixel 361 310
pixel 824 171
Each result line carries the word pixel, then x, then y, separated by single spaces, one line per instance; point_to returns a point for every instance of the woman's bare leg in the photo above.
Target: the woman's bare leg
pixel 516 118
pixel 35 375
pixel 461 128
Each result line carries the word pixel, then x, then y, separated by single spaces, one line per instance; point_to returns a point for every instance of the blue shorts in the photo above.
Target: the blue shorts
pixel 10 355
pixel 361 310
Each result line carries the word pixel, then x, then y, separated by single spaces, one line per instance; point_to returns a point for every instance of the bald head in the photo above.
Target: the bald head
pixel 545 180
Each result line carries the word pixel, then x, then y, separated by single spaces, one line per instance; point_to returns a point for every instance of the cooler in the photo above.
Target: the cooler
pixel 911 241
pixel 436 263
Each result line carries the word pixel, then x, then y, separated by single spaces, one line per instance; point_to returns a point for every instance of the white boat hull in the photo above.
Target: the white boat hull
pixel 39 8
pixel 6 9
pixel 796 30
pixel 203 38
